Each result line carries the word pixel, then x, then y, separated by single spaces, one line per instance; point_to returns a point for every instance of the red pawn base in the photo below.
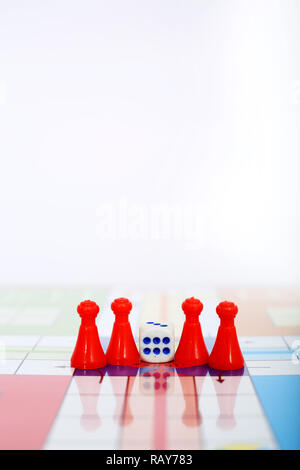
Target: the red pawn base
pixel 226 354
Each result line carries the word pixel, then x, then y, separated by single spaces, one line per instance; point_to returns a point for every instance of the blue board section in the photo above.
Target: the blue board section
pixel 280 398
pixel 267 355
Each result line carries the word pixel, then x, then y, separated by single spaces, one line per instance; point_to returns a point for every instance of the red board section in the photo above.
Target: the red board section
pixel 28 407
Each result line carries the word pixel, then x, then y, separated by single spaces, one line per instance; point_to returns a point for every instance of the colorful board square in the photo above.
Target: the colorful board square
pixel 279 396
pixel 28 407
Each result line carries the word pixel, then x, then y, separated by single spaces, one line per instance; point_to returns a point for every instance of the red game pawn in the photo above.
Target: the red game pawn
pixel 191 350
pixel 226 353
pixel 122 350
pixel 88 352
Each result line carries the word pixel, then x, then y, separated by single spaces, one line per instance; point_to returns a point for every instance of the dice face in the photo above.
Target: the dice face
pixel 156 342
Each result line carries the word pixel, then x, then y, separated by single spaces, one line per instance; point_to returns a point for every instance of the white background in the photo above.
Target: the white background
pixel 155 102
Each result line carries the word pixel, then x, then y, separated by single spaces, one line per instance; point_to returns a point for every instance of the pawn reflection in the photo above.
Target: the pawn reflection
pixel 191 416
pixel 226 388
pixel 89 391
pixel 122 380
pixel 191 392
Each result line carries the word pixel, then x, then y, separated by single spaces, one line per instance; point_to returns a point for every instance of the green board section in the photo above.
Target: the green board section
pixel 44 311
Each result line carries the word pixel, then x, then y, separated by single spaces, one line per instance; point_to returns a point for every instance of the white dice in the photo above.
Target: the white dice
pixel 156 342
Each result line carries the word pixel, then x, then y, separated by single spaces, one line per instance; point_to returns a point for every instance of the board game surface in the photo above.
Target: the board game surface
pixel 45 404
